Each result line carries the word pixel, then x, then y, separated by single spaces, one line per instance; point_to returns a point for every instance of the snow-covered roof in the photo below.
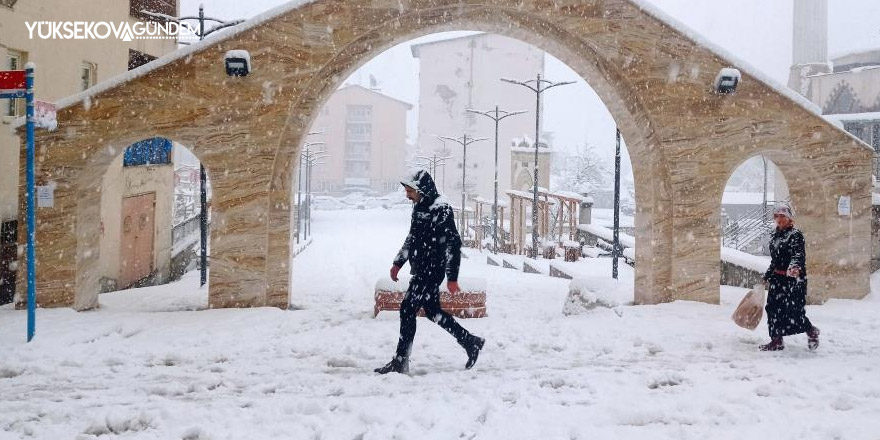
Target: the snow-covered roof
pixel 346 87
pixel 837 57
pixel 415 48
pixel 543 143
pixel 854 117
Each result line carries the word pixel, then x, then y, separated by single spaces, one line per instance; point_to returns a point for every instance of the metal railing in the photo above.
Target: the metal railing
pixel 184 230
pixel 754 225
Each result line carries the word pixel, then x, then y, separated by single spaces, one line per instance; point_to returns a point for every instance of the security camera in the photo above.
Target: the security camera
pixel 727 80
pixel 238 63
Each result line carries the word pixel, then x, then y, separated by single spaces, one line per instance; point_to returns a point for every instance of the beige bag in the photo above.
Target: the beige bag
pixel 751 309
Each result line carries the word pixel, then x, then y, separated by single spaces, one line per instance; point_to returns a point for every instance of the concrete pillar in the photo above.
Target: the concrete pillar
pixel 585 214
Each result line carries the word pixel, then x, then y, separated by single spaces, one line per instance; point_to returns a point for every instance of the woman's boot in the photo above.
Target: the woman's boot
pixel 775 344
pixel 813 338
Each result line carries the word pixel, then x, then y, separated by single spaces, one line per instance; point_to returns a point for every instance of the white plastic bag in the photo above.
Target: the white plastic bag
pixel 751 309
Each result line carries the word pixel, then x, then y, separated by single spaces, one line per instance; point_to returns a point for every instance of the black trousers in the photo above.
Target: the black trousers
pixel 424 294
pixel 786 299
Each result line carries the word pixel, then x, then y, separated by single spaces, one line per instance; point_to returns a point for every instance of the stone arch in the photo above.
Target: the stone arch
pixel 654 78
pixel 606 79
pixel 805 186
pixel 89 227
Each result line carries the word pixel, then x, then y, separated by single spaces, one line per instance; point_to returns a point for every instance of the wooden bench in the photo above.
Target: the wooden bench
pixel 469 303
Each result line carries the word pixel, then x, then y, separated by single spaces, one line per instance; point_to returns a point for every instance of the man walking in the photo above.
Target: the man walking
pixel 433 249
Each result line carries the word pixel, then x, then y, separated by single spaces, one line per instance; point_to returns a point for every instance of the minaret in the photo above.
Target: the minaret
pixel 810 43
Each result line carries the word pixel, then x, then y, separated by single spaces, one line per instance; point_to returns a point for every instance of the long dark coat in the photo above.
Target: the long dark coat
pixel 786 295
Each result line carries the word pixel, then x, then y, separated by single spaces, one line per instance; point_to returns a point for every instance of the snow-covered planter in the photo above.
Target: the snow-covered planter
pixel 469 303
pixel 548 250
pixel 572 250
pixel 585 294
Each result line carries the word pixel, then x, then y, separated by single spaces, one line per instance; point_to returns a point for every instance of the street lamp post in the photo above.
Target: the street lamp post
pixel 496 115
pixel 538 86
pixel 310 164
pixel 433 161
pixel 464 141
pixel 444 151
pixel 615 251
pixel 221 24
pixel 308 159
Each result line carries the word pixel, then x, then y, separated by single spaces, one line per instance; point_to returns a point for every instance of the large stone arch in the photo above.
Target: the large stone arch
pixel 684 140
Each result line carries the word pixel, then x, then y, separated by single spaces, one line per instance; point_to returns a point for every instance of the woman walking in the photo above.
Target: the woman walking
pixel 786 281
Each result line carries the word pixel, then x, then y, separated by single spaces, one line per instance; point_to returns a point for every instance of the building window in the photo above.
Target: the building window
pixel 137 59
pixel 875 136
pixel 357 150
pixel 856 129
pixel 13 107
pixel 359 113
pixel 357 130
pixel 88 75
pixel 136 8
pixel 875 142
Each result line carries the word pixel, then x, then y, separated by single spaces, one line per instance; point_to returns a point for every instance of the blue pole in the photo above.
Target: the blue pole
pixel 31 217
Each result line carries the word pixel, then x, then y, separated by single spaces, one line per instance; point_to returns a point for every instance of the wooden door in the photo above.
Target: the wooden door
pixel 136 242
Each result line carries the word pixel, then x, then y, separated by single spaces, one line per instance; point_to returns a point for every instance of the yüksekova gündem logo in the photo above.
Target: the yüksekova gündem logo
pixel 102 30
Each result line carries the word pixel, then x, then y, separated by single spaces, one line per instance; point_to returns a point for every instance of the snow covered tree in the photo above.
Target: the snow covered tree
pixel 582 172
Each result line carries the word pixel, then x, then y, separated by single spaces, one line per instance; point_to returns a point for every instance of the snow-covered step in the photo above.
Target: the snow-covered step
pixel 513 262
pixel 540 267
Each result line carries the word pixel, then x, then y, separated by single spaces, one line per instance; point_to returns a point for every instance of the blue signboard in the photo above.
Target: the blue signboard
pixel 153 151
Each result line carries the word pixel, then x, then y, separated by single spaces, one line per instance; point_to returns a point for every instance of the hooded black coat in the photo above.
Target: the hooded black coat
pixel 433 246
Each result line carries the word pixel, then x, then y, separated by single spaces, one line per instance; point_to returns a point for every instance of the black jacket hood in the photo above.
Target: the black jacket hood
pixel 422 182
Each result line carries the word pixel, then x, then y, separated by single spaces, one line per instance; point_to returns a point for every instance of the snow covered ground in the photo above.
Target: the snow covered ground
pixel 153 364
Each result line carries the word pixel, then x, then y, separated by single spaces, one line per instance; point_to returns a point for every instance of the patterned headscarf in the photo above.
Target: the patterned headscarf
pixel 784 210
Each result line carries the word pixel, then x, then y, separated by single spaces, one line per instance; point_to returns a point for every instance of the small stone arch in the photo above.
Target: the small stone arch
pixel 805 187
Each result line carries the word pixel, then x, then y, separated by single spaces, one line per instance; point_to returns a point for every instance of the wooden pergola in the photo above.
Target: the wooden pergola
pixel 565 203
pixel 519 201
pixel 567 209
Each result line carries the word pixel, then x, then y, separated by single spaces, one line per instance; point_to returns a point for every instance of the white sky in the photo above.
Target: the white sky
pixel 758 31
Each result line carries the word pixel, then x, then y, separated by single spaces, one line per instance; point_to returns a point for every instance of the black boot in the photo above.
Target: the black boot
pixel 775 344
pixel 473 347
pixel 397 365
pixel 813 338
